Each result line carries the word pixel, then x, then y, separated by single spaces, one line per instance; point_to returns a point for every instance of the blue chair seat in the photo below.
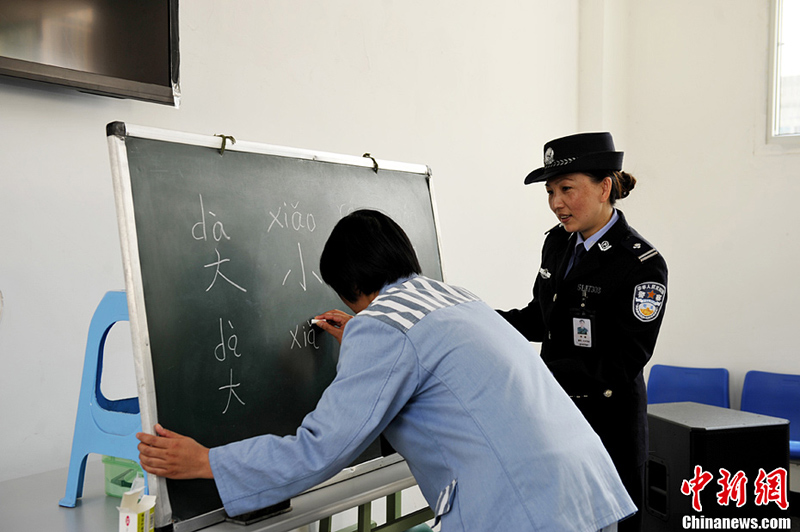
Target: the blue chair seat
pixel 776 395
pixel 672 384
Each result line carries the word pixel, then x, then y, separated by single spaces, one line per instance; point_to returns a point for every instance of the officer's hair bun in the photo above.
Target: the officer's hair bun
pixel 623 183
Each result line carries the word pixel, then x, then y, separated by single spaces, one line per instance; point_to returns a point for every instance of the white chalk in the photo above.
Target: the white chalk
pixel 314 321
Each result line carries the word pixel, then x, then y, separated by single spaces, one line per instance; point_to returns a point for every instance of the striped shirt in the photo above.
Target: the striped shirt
pixel 405 305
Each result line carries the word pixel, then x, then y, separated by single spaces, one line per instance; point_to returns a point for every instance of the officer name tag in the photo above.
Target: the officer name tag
pixel 582 332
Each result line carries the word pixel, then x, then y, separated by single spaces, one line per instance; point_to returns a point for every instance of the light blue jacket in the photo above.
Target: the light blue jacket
pixel 493 441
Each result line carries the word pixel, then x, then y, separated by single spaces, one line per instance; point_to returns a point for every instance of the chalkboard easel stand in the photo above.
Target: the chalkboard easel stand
pixel 102 426
pixel 395 521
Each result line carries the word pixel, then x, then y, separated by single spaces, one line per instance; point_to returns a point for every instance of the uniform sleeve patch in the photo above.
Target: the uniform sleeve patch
pixel 648 298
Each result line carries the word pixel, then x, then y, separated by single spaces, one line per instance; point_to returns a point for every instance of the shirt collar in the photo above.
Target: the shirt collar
pixel 598 235
pixel 397 282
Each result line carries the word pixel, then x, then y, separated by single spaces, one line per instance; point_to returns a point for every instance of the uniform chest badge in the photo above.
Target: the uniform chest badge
pixel 605 245
pixel 648 298
pixel 544 272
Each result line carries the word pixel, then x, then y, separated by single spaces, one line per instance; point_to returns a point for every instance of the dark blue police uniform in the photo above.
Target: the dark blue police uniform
pixel 618 292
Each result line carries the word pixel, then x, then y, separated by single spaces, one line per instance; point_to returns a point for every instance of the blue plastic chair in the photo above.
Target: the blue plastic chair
pixel 776 395
pixel 672 384
pixel 102 426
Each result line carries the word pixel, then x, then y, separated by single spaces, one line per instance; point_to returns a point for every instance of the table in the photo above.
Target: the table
pixel 31 503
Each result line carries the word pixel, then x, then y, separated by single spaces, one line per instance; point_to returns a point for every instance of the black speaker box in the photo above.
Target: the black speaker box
pixel 685 435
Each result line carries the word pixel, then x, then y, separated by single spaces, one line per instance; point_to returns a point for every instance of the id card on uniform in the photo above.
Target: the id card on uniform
pixel 582 332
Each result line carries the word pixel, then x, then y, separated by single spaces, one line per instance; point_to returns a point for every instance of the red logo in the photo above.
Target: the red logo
pixel 733 488
pixel 695 486
pixel 768 487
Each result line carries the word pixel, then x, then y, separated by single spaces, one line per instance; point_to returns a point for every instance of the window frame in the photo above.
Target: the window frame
pixel 791 140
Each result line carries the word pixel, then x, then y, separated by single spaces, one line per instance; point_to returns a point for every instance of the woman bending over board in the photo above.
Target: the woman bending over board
pixel 491 438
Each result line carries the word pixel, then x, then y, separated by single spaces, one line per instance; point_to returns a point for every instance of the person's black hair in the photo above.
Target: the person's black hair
pixel 366 251
pixel 621 183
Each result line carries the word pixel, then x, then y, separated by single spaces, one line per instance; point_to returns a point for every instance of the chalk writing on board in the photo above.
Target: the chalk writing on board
pixel 297 220
pixel 304 338
pixel 231 392
pixel 228 346
pixel 210 225
pixel 200 232
pixel 224 347
pixel 345 209
pixel 302 282
pixel 218 273
pixel 199 229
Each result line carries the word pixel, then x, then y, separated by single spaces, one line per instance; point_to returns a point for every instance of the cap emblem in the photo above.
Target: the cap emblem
pixel 549 157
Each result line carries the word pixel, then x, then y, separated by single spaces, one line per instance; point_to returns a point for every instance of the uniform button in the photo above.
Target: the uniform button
pixel 549 336
pixel 607 393
pixel 555 296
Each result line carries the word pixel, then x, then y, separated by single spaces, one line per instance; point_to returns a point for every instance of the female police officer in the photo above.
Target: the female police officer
pixel 598 299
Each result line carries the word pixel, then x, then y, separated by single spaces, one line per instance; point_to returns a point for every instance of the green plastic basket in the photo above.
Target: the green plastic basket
pixel 120 474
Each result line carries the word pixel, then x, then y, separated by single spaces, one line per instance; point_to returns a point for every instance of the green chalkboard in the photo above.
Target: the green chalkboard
pixel 221 253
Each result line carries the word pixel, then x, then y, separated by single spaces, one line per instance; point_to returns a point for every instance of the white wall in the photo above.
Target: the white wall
pixel 717 202
pixel 472 90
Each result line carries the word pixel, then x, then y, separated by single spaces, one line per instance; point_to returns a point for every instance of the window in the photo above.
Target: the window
pixel 786 69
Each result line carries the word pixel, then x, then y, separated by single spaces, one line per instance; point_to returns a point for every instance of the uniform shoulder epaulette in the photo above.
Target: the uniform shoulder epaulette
pixel 553 229
pixel 641 248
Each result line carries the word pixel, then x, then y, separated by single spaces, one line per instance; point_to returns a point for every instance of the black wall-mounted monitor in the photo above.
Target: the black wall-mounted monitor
pixel 119 48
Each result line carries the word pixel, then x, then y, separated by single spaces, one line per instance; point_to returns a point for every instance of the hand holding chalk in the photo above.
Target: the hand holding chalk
pixel 332 322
